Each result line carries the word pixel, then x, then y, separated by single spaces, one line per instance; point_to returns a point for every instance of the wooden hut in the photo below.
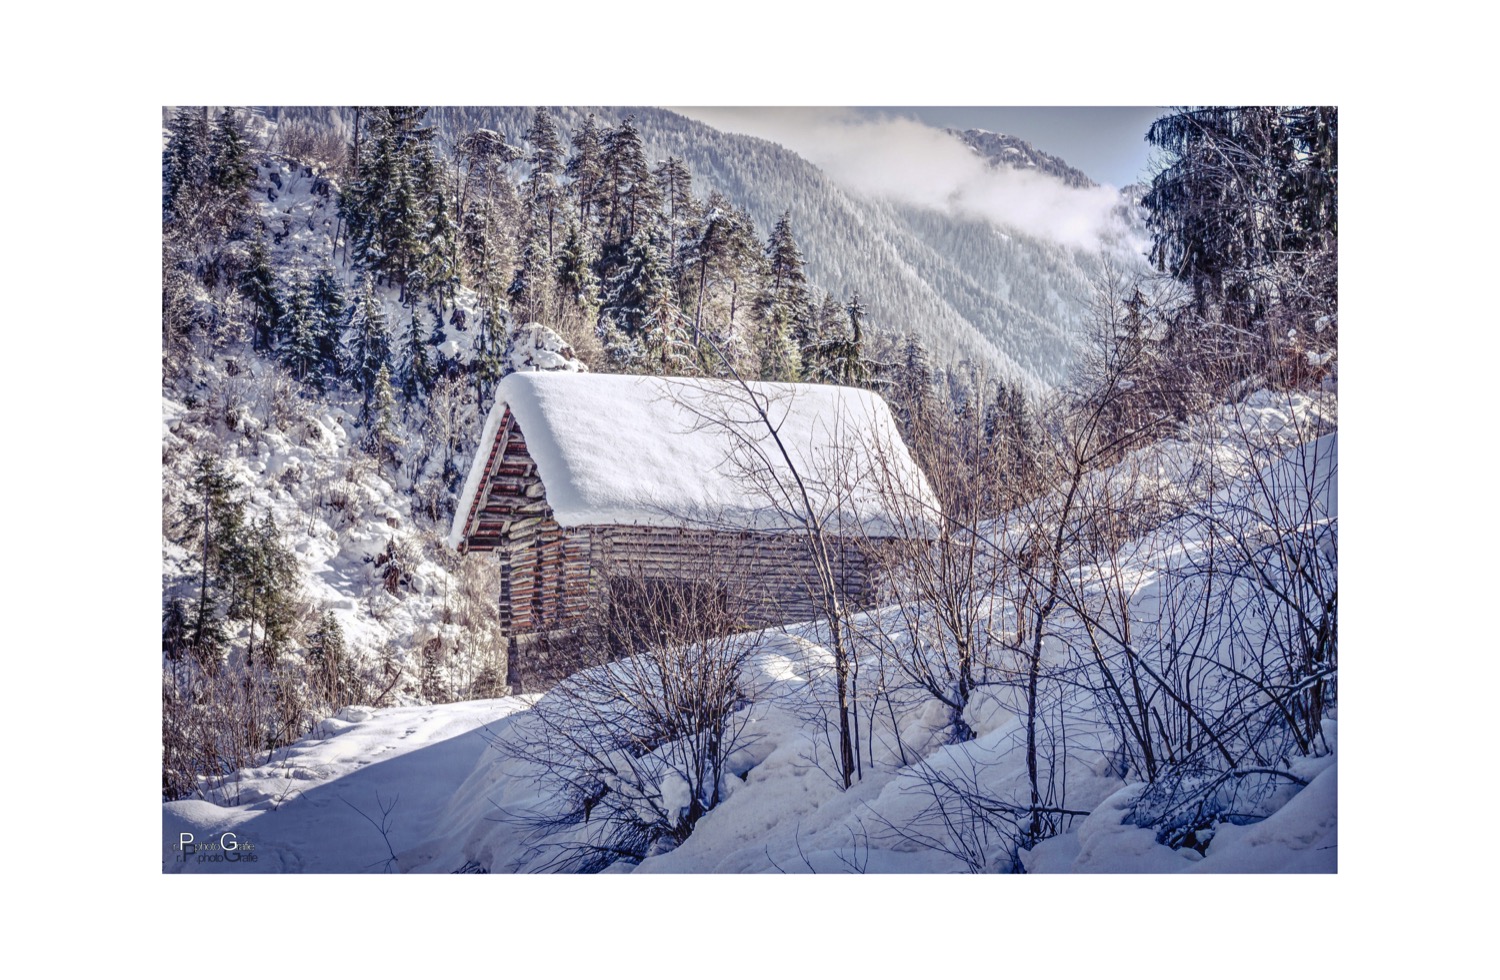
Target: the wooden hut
pixel 585 481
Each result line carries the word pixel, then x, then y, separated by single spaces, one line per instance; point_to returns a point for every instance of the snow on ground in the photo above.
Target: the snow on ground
pixel 1300 837
pixel 319 804
pixel 449 795
pixel 459 797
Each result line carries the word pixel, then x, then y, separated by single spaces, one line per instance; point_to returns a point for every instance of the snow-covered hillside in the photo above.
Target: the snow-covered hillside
pixel 364 531
pixel 468 788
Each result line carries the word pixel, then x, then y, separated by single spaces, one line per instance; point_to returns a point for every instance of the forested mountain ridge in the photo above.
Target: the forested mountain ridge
pixel 1004 150
pixel 968 287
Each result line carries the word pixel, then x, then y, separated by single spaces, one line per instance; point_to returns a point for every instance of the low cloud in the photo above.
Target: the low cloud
pixel 914 163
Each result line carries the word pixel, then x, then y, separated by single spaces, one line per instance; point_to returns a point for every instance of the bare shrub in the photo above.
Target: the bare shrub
pixel 1157 599
pixel 941 568
pixel 218 720
pixel 820 509
pixel 1210 641
pixel 635 748
pixel 472 608
pixel 305 141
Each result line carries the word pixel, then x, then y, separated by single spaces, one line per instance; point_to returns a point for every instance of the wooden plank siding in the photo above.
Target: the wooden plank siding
pixel 553 576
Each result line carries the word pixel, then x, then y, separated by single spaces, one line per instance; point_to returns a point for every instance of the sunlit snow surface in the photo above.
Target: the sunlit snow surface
pixel 431 789
pixel 319 805
pixel 426 789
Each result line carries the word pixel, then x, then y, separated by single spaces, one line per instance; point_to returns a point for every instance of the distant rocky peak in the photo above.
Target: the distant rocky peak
pixel 1002 150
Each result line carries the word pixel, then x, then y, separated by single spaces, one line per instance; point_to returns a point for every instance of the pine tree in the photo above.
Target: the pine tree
pixel 213 527
pixel 839 356
pixel 370 350
pixel 390 207
pixel 540 192
pixel 825 327
pixel 642 304
pixel 326 656
pixel 848 361
pixel 433 686
pixel 258 286
pixel 299 330
pixel 487 205
pixel 329 314
pixel 623 353
pixel 855 311
pixel 680 213
pixel 185 161
pixel 1246 213
pixel 488 365
pixel 785 295
pixel 1009 427
pixel 416 363
pixel 379 418
pixel 270 592
pixel 221 203
pixel 175 627
pixel 782 307
pixel 725 262
pixel 776 354
pixel 585 172
pixel 911 390
pixel 231 173
pixel 438 264
pixel 531 287
pixel 631 194
pixel 577 285
pixel 230 168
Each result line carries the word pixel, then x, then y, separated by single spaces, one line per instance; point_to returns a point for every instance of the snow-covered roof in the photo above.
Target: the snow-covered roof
pixel 693 452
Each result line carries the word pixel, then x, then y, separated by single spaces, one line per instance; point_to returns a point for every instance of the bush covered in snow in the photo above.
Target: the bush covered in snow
pixel 634 749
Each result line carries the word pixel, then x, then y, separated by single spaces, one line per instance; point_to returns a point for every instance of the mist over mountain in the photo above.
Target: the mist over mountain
pixel 966 281
pixel 986 254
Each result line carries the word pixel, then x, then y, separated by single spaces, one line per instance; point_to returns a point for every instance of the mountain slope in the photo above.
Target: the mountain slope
pixel 966 287
pixel 780 807
pixel 1003 150
pixel 1011 302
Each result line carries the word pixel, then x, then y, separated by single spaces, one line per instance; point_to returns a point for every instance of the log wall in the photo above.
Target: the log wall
pixel 553 576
